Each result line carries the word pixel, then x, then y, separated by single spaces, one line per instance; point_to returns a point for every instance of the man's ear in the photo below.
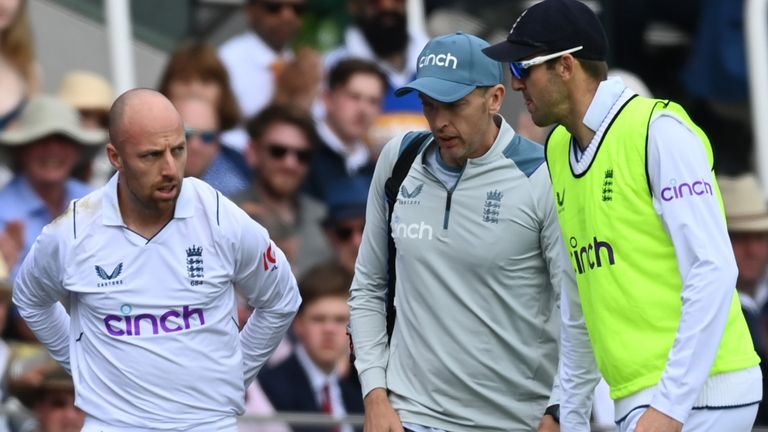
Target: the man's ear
pixel 566 66
pixel 114 157
pixel 496 98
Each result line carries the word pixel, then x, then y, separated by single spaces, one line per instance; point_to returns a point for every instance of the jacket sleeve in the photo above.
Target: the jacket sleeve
pixel 369 287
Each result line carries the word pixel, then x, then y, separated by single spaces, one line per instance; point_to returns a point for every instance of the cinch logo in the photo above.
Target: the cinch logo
pixel 169 322
pixel 412 231
pixel 677 191
pixel 590 255
pixel 444 60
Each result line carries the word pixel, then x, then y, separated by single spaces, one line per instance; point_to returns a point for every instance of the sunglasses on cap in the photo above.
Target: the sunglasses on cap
pixel 279 151
pixel 520 69
pixel 206 136
pixel 276 7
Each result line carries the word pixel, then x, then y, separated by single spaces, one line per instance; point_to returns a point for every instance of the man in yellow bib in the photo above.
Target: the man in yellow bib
pixel 656 310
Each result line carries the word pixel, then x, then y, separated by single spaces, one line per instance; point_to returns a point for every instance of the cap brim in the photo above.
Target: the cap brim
pixel 506 51
pixel 437 89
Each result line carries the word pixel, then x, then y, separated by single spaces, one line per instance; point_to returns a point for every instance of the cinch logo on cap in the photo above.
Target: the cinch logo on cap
pixel 444 60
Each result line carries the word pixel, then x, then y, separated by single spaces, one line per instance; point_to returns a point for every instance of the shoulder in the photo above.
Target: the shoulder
pixel 527 155
pixel 283 374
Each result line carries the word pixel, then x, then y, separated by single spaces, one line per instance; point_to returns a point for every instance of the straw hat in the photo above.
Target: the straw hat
pixel 746 209
pixel 46 115
pixel 86 91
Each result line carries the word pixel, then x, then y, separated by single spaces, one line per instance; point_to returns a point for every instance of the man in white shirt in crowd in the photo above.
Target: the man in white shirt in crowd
pixel 148 265
pixel 656 308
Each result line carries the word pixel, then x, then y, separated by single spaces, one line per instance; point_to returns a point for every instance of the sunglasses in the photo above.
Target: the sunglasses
pixel 278 151
pixel 520 69
pixel 275 7
pixel 206 136
pixel 344 233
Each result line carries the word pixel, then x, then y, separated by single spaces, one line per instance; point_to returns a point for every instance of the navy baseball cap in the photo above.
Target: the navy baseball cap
pixel 552 26
pixel 451 66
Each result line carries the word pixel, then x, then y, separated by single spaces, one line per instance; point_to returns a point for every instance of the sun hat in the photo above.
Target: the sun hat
pixel 86 91
pixel 45 116
pixel 746 209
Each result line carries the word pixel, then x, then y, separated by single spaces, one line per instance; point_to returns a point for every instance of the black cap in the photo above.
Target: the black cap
pixel 552 26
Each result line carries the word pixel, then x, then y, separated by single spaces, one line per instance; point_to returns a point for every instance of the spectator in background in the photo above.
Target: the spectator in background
pixel 18 71
pixel 196 70
pixel 219 166
pixel 255 58
pixel 44 149
pixel 16 45
pixel 746 213
pixel 309 380
pixel 282 141
pixel 380 35
pixel 346 219
pixel 52 400
pixel 352 102
pixel 92 95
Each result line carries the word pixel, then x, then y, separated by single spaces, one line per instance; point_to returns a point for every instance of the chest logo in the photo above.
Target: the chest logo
pixel 492 206
pixel 608 185
pixel 109 278
pixel 409 196
pixel 561 199
pixel 195 269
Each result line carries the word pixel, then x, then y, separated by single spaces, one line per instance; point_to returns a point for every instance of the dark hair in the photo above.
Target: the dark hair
pixel 258 125
pixel 324 280
pixel 198 60
pixel 346 69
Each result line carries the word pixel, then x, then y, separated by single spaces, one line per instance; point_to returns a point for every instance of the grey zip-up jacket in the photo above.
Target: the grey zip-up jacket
pixel 479 271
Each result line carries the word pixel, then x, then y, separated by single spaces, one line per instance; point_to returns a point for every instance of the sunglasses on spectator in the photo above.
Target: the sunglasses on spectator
pixel 279 151
pixel 520 69
pixel 276 7
pixel 206 136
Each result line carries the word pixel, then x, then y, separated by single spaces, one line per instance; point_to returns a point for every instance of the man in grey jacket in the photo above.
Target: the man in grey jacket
pixel 479 263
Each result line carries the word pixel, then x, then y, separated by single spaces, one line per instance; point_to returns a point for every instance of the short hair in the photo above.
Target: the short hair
pixel 344 70
pixel 257 126
pixel 324 280
pixel 198 60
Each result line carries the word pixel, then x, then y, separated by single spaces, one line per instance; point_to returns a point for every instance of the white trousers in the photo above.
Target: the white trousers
pixel 705 420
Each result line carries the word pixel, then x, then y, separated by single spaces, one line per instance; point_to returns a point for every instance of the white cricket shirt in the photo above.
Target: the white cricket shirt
pixel 152 339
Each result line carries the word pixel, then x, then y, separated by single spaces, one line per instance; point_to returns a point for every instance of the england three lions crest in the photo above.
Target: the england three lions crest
pixel 492 206
pixel 195 269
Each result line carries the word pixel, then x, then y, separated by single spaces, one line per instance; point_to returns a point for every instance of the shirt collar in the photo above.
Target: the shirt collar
pixel 355 157
pixel 111 208
pixel 317 378
pixel 608 92
pixel 263 52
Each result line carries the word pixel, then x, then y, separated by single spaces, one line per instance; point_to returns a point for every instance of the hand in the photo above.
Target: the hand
pixel 548 424
pixel 379 414
pixel 654 420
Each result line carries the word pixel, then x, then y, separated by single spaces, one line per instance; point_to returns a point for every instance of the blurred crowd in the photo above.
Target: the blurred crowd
pixel 292 134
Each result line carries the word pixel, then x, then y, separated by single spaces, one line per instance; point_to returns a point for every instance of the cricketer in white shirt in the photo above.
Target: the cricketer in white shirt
pixel 151 338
